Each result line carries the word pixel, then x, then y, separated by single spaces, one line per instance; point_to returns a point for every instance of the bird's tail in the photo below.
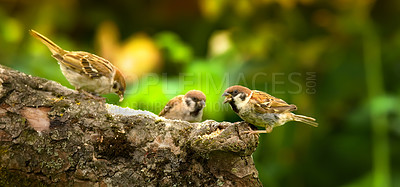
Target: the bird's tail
pixel 54 48
pixel 305 119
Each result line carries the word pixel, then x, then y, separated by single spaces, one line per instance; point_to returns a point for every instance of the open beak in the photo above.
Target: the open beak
pixel 200 105
pixel 228 97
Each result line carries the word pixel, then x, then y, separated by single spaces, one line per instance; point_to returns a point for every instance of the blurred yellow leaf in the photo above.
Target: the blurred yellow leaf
pixel 219 43
pixel 137 56
pixel 211 9
pixel 107 39
pixel 288 4
pixel 243 7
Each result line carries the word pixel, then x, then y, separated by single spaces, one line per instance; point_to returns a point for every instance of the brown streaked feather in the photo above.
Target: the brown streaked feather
pixel 305 119
pixel 70 65
pixel 171 103
pixel 79 61
pixel 88 69
pixel 87 63
pixel 102 68
pixel 265 103
pixel 53 47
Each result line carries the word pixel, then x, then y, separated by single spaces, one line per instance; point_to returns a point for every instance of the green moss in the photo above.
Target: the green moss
pixel 30 136
pixel 3 150
pixel 220 182
pixel 53 164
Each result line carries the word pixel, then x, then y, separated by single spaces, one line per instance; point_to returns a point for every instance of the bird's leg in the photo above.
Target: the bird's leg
pixel 268 129
pixel 256 132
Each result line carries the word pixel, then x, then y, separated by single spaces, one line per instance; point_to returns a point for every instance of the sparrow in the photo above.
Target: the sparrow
pixel 188 107
pixel 86 71
pixel 261 109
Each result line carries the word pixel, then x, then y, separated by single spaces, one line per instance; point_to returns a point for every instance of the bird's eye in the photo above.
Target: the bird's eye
pixel 235 92
pixel 115 85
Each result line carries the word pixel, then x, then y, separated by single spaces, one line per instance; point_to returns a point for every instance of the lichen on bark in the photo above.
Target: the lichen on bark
pixel 86 143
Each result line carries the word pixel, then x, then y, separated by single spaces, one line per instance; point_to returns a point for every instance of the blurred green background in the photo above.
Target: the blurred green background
pixel 338 61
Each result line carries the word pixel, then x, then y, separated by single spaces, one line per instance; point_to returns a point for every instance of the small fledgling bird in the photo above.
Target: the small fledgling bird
pixel 86 71
pixel 188 107
pixel 262 109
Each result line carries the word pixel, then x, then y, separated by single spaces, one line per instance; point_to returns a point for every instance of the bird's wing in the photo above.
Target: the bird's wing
pixel 83 62
pixel 171 103
pixel 265 103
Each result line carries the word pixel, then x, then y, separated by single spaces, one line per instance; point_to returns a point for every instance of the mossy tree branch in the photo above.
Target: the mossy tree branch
pixel 53 135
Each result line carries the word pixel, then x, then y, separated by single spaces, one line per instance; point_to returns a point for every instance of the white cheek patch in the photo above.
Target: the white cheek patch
pixel 189 103
pixel 239 103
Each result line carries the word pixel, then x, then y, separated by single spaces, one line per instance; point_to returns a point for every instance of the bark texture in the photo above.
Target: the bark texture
pixel 52 135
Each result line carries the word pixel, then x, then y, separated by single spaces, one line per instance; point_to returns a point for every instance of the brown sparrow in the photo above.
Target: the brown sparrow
pixel 86 71
pixel 262 109
pixel 188 107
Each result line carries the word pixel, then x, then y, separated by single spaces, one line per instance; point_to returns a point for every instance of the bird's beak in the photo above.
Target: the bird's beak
pixel 228 97
pixel 202 103
pixel 121 96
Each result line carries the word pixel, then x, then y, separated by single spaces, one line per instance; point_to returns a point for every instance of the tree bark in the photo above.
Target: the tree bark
pixel 52 135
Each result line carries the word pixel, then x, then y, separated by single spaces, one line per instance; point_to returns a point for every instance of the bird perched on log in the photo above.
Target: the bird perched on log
pixel 188 107
pixel 86 71
pixel 261 109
